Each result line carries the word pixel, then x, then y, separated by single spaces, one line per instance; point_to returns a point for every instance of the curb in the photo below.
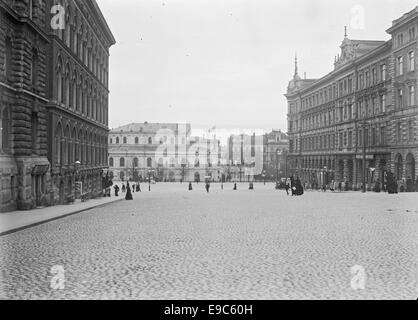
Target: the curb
pixel 35 224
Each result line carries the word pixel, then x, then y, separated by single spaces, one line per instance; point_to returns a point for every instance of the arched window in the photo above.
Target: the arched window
pixel 136 140
pixel 149 140
pixel 4 129
pixel 110 162
pixel 67 86
pixel 149 162
pixel 60 82
pixel 125 140
pixel 110 141
pixel 121 162
pixel 117 140
pixel 136 162
pixel 67 146
pixel 58 144
pixel 8 58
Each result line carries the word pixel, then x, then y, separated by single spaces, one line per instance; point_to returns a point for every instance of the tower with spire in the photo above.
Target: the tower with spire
pixel 296 75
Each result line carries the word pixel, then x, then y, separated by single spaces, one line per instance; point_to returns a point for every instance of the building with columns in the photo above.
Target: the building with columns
pixel 162 151
pixel 366 107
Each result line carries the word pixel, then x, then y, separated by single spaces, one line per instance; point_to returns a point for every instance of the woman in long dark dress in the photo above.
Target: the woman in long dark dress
pixel 298 187
pixel 128 193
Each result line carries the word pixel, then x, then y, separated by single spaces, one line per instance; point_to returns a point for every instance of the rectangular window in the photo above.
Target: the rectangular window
pixel 373 136
pixel 350 139
pixel 411 61
pixel 383 71
pixel 400 66
pixel 382 136
pixel 411 130
pixel 400 98
pixel 383 103
pixel 411 96
pixel 399 132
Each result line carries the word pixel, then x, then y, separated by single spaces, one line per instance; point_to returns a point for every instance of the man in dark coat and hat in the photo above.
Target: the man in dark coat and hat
pixel 190 186
pixel 128 192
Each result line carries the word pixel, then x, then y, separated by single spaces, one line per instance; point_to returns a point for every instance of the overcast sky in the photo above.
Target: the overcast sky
pixel 227 63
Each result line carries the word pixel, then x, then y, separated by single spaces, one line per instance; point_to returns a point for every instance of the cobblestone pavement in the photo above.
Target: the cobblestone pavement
pixel 175 244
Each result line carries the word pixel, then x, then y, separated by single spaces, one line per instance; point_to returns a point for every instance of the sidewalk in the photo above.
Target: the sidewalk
pixel 19 220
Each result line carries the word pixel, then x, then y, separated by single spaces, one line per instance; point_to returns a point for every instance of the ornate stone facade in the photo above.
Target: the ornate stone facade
pixel 367 104
pixel 24 166
pixel 78 104
pixel 45 126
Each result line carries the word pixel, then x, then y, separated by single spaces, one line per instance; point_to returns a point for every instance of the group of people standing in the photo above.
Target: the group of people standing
pixel 127 190
pixel 294 187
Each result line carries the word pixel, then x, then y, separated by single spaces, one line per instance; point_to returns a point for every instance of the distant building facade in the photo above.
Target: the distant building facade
pixel 367 103
pixel 276 148
pixel 245 156
pixel 53 101
pixel 162 151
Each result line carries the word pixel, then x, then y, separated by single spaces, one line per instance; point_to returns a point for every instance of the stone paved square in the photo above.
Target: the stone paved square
pixel 174 244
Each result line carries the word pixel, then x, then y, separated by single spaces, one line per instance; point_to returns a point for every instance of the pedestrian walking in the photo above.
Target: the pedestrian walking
pixel 128 192
pixel 235 186
pixel 123 188
pixel 287 186
pixel 116 187
pixel 133 188
pixel 340 187
pixel 190 186
pixel 138 187
pixel 207 186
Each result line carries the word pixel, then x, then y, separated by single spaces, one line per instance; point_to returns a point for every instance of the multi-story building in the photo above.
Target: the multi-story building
pixel 24 46
pixel 162 151
pixel 53 100
pixel 366 108
pixel 276 147
pixel 245 156
pixel 139 151
pixel 78 99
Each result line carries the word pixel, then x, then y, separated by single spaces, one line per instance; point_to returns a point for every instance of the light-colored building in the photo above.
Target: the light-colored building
pixel 162 151
pixel 245 157
pixel 367 103
pixel 276 147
